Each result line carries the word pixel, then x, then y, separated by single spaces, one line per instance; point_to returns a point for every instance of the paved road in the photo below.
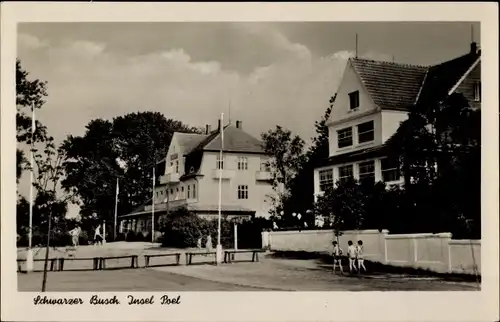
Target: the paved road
pixel 122 280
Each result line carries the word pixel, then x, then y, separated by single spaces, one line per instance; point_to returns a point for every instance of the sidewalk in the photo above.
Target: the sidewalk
pixel 305 275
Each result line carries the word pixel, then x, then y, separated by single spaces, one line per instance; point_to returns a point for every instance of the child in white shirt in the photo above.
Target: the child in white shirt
pixel 336 254
pixel 351 253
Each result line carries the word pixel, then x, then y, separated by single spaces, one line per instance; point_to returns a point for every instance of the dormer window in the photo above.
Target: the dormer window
pixel 354 100
pixel 477 91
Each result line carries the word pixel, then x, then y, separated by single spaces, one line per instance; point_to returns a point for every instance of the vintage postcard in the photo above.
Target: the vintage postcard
pixel 243 162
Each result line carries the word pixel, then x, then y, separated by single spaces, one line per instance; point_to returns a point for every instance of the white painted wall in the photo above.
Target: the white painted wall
pixel 257 190
pixel 390 123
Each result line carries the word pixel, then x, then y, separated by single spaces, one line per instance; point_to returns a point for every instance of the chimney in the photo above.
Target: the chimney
pixel 473 48
pixel 207 129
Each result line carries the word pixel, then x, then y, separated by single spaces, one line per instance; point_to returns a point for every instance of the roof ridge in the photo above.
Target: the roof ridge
pixel 392 63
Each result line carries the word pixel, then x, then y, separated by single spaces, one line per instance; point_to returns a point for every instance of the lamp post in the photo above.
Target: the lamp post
pixel 121 163
pixel 218 250
pixel 29 254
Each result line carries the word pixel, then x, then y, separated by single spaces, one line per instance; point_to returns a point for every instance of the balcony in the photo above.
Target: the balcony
pixel 170 178
pixel 226 174
pixel 263 176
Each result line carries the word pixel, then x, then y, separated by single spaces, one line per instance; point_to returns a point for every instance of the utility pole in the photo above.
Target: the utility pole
pixel 218 254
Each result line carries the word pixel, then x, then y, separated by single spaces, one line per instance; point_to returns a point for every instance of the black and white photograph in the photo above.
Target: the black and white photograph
pixel 247 156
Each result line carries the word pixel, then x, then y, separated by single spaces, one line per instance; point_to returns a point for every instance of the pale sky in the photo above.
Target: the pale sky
pixel 272 73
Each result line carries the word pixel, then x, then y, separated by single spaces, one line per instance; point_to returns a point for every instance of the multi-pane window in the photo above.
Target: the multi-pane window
pixel 194 191
pixel 242 192
pixel 390 170
pixel 325 179
pixel 354 100
pixel 366 132
pixel 367 171
pixel 345 172
pixel 242 163
pixel 189 191
pixel 344 137
pixel 220 162
pixel 477 91
pixel 264 165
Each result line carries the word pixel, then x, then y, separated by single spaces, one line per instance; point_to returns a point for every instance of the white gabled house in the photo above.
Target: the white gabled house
pixel 373 98
pixel 190 178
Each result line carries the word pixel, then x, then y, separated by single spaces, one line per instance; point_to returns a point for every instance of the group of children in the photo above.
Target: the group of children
pixel 354 253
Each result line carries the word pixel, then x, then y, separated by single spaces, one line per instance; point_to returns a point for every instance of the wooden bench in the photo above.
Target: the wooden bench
pixel 229 254
pixel 133 261
pixel 189 256
pixel 148 257
pixel 96 261
pixel 52 261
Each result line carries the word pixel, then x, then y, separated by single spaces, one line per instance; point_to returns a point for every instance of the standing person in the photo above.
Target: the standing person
pixel 351 253
pixel 336 254
pixel 75 235
pixel 359 256
pixel 198 244
pixel 98 235
pixel 208 244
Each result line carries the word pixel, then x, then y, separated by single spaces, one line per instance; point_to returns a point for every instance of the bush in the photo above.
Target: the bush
pixel 130 237
pixel 139 237
pixel 147 237
pixel 120 237
pixel 84 238
pixel 182 229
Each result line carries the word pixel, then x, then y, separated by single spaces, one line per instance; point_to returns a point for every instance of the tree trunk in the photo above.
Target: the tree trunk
pixel 44 281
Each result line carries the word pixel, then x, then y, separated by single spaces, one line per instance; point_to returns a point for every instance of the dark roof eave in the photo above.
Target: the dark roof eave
pixel 355 156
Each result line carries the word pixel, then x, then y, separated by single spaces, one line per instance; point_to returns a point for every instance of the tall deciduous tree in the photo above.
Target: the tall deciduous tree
pixel 439 152
pixel 286 162
pixel 140 140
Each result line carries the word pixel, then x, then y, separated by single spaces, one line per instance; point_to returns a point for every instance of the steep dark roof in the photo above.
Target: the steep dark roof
pixel 189 141
pixel 391 85
pixel 441 78
pixel 235 140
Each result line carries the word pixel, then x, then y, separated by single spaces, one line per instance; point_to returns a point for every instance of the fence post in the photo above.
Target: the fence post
pixel 415 250
pixel 384 234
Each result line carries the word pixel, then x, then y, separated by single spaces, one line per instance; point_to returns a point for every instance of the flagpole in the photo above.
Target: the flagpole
pixel 116 206
pixel 221 166
pixel 29 255
pixel 153 207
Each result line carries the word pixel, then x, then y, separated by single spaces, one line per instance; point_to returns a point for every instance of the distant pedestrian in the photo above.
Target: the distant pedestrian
pixel 198 244
pixel 351 253
pixel 98 238
pixel 359 256
pixel 337 259
pixel 208 244
pixel 75 235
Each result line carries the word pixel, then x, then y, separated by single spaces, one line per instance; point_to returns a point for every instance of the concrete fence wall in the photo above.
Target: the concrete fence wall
pixel 436 252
